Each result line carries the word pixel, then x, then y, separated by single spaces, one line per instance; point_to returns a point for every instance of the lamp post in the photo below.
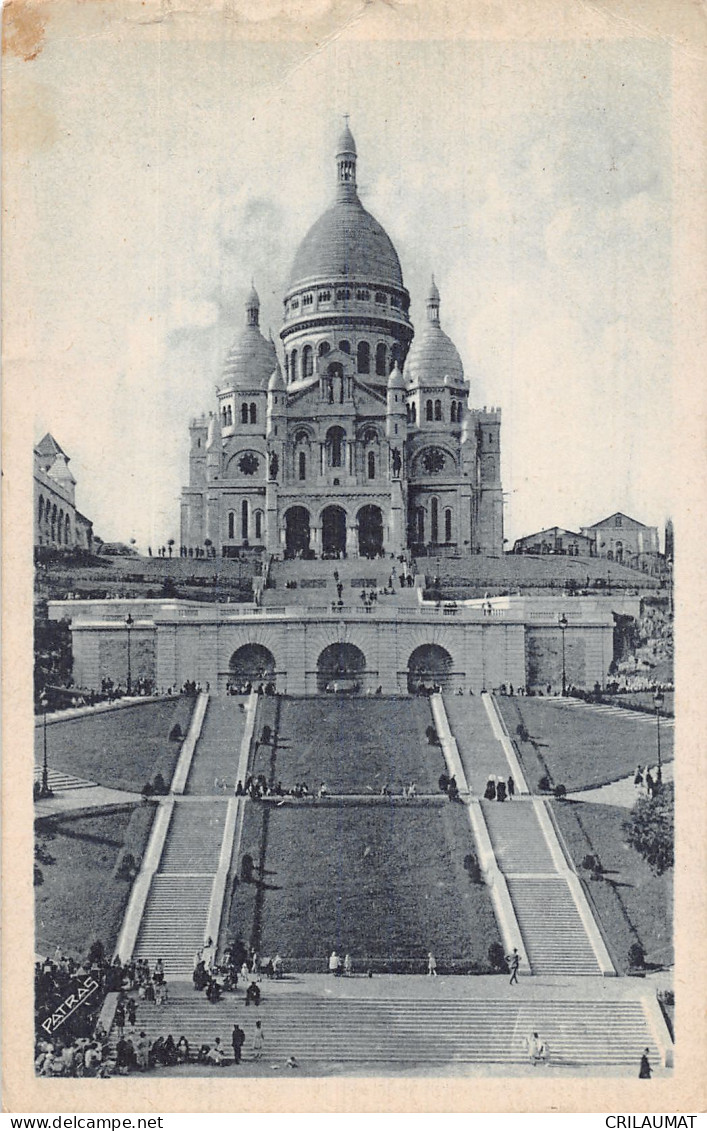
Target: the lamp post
pixel 658 700
pixel 45 765
pixel 563 622
pixel 129 622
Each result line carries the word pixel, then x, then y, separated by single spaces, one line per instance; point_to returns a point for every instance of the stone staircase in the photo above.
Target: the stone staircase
pixel 219 746
pixel 552 929
pixel 175 916
pixel 365 1030
pixel 518 841
pixel 480 751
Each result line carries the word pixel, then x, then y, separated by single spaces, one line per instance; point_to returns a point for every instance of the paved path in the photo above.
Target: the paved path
pixel 81 798
pixel 622 793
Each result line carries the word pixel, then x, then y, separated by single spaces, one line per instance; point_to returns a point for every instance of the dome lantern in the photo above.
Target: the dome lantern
pixel 346 164
pixel 433 303
pixel 252 306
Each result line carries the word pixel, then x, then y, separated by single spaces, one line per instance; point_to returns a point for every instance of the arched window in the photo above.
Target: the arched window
pixel 258 524
pixel 67 530
pixel 335 440
pixel 413 412
pixel 253 413
pixel 244 413
pixel 231 524
pixel 53 525
pixel 448 525
pixel 60 527
pixel 41 510
pixel 345 346
pixel 371 465
pixel 395 355
pixel 307 361
pixel 293 365
pixel 363 357
pixel 438 410
pixel 428 410
pixel 434 521
pixel 323 349
pixel 420 524
pixel 229 411
pixel 302 466
pixel 381 359
pixel 244 520
pixel 287 368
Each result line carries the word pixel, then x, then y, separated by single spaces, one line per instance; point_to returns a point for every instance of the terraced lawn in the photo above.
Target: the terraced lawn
pixel 82 898
pixel 633 905
pixel 122 748
pixel 355 745
pixel 580 745
pixel 384 883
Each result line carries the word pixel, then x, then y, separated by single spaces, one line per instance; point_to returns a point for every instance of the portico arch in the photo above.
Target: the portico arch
pixel 252 663
pixel 334 530
pixel 296 530
pixel 340 666
pixel 428 664
pixel 370 531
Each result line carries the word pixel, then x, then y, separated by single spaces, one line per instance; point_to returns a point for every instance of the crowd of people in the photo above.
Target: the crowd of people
pixel 499 789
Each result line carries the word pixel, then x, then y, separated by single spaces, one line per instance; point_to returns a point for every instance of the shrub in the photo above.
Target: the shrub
pixel 545 785
pixel 636 956
pixel 37 791
pixel 266 735
pixel 472 867
pixel 175 734
pixel 43 855
pixel 247 869
pixel 159 786
pixel 147 790
pixel 432 738
pixel 497 958
pixel 589 863
pixel 522 732
pixel 96 952
pixel 38 876
pixel 127 868
pixel 560 793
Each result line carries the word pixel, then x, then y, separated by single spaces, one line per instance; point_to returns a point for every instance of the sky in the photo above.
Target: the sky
pixel 159 174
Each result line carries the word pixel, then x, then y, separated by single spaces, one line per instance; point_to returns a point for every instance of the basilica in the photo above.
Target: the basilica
pixel 363 440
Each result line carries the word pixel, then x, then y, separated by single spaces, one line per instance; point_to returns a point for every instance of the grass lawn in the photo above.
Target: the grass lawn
pixel 123 748
pixel 383 883
pixel 633 905
pixel 354 745
pixel 580 745
pixel 81 898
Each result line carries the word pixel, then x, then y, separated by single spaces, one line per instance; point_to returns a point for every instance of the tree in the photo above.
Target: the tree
pixel 650 829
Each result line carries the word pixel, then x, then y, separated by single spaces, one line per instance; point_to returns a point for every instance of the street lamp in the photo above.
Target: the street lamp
pixel 563 622
pixel 45 766
pixel 129 622
pixel 658 700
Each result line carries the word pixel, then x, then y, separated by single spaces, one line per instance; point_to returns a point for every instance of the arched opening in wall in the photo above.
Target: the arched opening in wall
pixel 53 526
pixel 293 365
pixel 67 530
pixel 307 361
pixel 396 355
pixel 333 531
pixel 428 410
pixel 323 349
pixel 231 525
pixel 363 357
pixel 258 520
pixel 370 531
pixel 244 413
pixel 335 441
pixel 438 410
pixel 252 663
pixel 448 525
pixel 296 531
pixel 420 525
pixel 40 513
pixel 413 413
pixel 381 360
pixel 244 520
pixel 253 414
pixel 619 551
pixel 341 668
pixel 429 666
pixel 371 465
pixel 302 465
pixel 434 521
pixel 335 383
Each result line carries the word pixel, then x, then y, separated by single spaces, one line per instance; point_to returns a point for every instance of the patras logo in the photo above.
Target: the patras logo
pixel 70 1005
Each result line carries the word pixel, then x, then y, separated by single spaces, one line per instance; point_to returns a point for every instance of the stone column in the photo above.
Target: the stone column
pixel 315 539
pixel 352 540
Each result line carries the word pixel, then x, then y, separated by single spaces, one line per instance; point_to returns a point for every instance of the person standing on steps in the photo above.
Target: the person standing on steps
pixel 431 965
pixel 645 1071
pixel 237 1041
pixel 511 788
pixel 513 961
pixel 258 1041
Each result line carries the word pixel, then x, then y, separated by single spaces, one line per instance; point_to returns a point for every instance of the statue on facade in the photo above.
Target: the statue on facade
pixel 274 464
pixel 397 461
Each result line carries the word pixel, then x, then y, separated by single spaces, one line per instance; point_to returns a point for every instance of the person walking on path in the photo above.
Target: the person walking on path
pixel 513 961
pixel 431 965
pixel 511 789
pixel 258 1041
pixel 645 1071
pixel 537 1049
pixel 334 963
pixel 237 1041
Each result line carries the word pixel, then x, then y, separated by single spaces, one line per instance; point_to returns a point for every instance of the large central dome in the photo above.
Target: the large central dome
pixel 346 242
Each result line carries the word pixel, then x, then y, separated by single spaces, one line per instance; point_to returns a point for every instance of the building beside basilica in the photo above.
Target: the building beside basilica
pixel 363 441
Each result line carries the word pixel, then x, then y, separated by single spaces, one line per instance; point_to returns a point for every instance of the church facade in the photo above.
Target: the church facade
pixel 363 442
